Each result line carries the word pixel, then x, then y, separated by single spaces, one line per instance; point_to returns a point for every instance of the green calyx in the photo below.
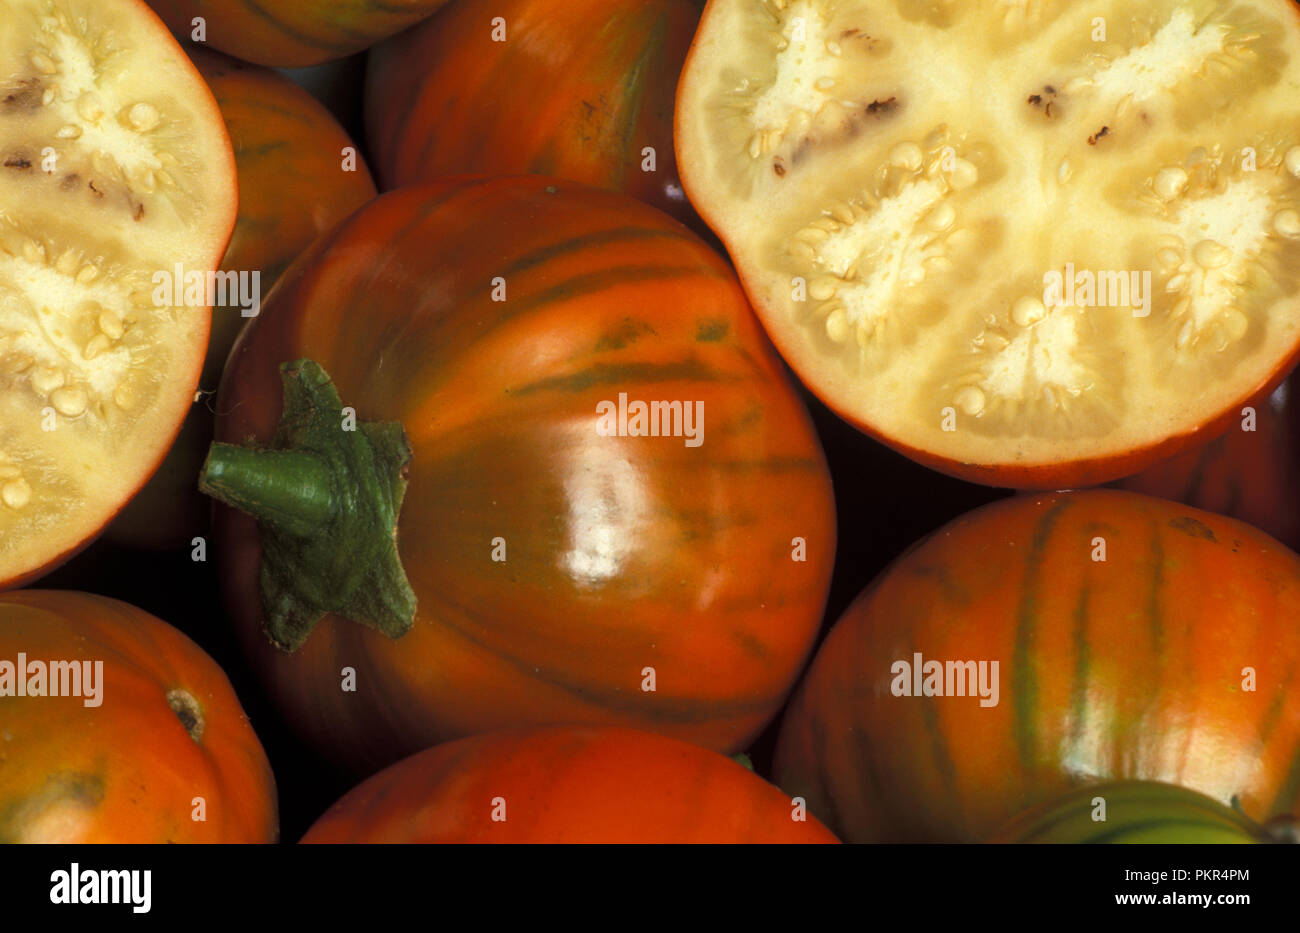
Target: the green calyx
pixel 326 494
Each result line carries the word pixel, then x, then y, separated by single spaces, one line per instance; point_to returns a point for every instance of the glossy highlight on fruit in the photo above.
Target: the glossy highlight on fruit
pixel 1135 638
pixel 582 90
pixel 115 172
pixel 567 784
pixel 561 572
pixel 1037 245
pixel 299 176
pixel 159 751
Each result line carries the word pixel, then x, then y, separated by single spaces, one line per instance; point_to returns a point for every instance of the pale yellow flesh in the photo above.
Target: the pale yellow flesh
pixel 114 166
pixel 895 179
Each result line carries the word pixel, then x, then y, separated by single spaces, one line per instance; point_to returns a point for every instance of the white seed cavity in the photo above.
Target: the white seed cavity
pixel 1045 353
pixel 867 253
pixel 1181 49
pixel 1064 172
pixel 68 131
pixel 16 493
pixel 808 92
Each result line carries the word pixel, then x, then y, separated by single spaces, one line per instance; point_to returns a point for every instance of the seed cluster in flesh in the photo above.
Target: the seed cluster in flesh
pixel 866 253
pixel 62 324
pixel 902 183
pixel 113 167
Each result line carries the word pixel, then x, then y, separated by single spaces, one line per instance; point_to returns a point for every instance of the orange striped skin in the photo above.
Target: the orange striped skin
pixel 292 188
pixel 293 33
pixel 621 553
pixel 127 770
pixel 1128 668
pixel 566 785
pixel 1248 475
pixel 577 91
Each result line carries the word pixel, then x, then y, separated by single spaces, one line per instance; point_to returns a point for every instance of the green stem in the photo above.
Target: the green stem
pixel 326 494
pixel 286 488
